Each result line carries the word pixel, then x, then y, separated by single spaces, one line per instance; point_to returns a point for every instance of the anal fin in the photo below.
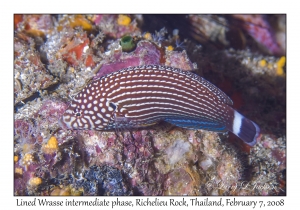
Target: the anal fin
pixel 197 124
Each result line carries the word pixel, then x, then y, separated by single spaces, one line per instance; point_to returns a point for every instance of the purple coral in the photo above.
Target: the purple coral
pixel 145 53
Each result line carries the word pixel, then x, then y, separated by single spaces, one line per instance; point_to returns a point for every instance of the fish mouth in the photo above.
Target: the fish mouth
pixel 63 124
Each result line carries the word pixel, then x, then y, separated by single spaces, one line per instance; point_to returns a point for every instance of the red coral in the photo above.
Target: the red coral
pixel 75 52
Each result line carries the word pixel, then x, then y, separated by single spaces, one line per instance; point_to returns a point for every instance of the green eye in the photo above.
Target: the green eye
pixel 127 43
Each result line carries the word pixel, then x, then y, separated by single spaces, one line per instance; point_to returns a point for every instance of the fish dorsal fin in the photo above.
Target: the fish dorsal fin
pixel 218 93
pixel 211 87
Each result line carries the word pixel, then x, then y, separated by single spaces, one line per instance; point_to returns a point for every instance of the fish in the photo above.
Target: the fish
pixel 140 96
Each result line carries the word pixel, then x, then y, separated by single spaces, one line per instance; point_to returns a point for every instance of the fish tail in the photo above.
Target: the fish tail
pixel 244 128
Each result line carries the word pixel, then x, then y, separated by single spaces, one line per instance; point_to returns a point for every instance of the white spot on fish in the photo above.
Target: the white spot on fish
pixel 67 117
pixel 83 120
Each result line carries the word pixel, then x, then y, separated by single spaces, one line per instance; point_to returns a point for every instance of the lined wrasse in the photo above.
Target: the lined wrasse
pixel 140 96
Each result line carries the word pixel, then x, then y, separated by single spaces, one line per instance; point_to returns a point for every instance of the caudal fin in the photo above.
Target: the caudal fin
pixel 244 128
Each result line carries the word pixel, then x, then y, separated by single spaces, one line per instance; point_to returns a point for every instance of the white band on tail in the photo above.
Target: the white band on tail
pixel 237 123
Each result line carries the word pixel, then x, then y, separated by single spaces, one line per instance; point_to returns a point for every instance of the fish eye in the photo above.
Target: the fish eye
pixel 78 114
pixel 112 105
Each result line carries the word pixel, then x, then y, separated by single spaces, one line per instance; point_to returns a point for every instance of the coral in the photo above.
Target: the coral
pixel 170 48
pixel 205 164
pixel 259 28
pixel 127 43
pixel 229 169
pixel 34 25
pixel 280 65
pixel 147 36
pixel 176 151
pixel 144 54
pixel 76 50
pixel 51 146
pixel 159 36
pixel 180 183
pixel 25 182
pixel 19 171
pixel 117 26
pixel 103 180
pixel 209 28
pixel 123 20
pixel 263 63
pixel 65 191
pixel 269 161
pixel 261 33
pixel 35 181
pixel 80 20
pixel 30 75
pixel 210 145
pixel 178 60
pixel 27 159
pixel 18 18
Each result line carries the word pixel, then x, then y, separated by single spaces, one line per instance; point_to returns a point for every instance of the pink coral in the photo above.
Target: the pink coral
pixel 258 27
pixel 178 60
pixel 145 53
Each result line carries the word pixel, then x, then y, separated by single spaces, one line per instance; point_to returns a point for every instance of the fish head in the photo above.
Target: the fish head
pixel 88 111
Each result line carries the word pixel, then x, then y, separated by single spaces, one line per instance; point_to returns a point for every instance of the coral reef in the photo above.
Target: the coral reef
pixel 103 180
pixel 55 56
pixel 30 74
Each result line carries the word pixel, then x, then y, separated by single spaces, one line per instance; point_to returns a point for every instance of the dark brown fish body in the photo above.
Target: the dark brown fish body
pixel 143 95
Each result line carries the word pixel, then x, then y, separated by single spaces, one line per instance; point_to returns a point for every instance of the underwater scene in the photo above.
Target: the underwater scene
pixel 149 104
